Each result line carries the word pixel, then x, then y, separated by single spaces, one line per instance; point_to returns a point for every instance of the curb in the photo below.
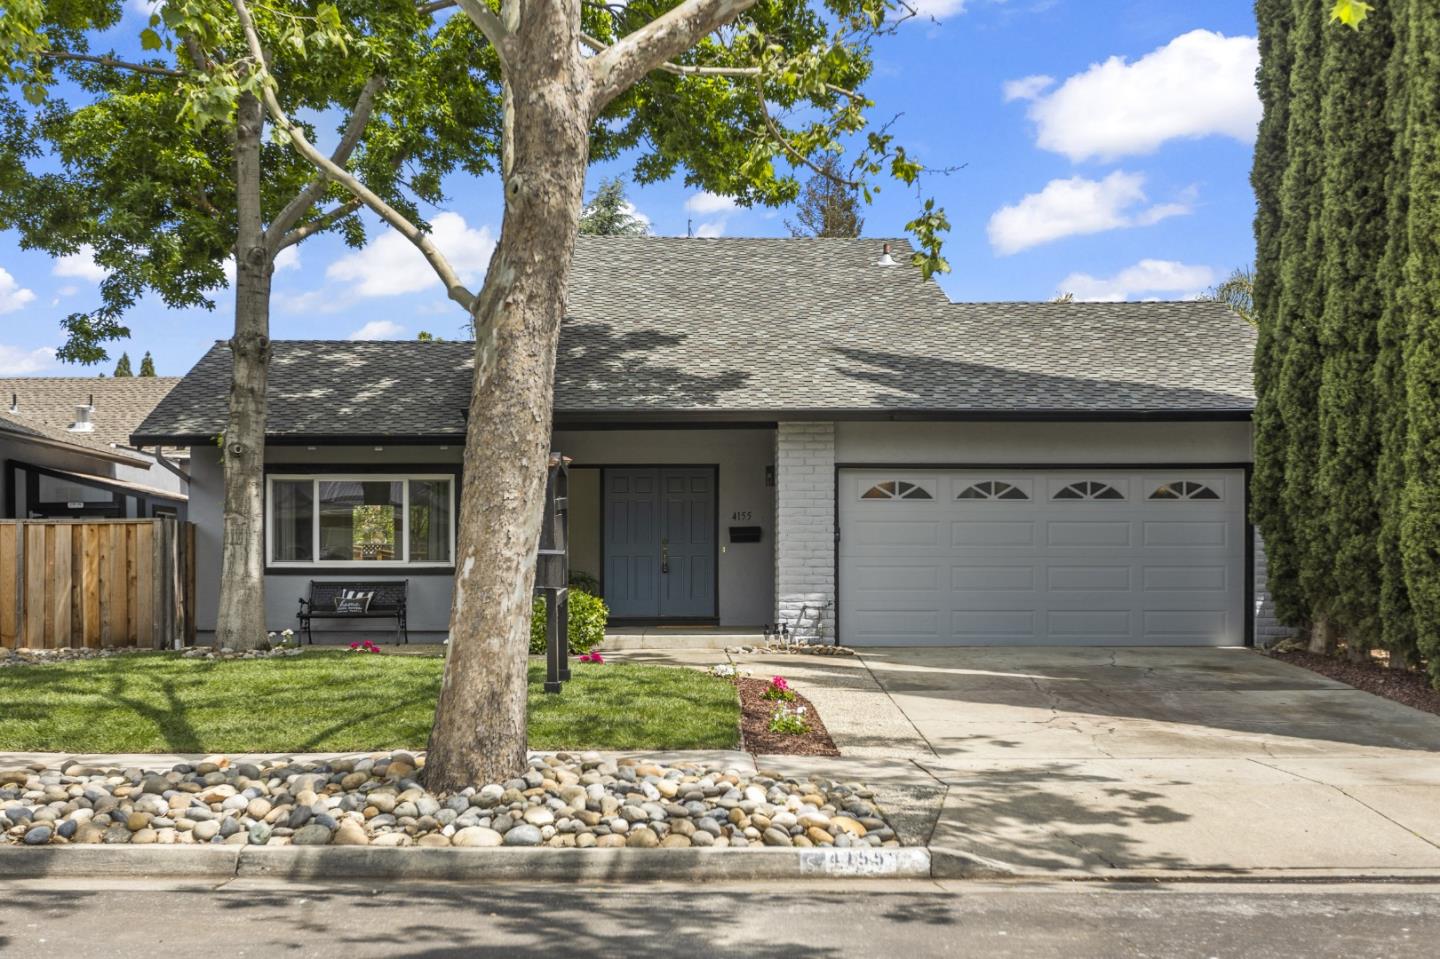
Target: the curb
pixel 460 865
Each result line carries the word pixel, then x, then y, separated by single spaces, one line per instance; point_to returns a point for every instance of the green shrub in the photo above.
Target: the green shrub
pixel 588 616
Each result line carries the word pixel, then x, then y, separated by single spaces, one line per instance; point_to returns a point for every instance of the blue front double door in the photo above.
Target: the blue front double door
pixel 660 542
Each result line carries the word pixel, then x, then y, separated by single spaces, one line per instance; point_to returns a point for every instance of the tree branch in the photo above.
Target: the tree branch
pixel 112 62
pixel 453 286
pixel 618 67
pixel 795 154
pixel 313 191
pixel 489 24
pixel 322 222
pixel 692 70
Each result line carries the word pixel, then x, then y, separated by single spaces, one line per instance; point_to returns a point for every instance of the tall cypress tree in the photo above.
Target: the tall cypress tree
pixel 1420 522
pixel 1295 537
pixel 1356 143
pixel 1397 619
pixel 1275 19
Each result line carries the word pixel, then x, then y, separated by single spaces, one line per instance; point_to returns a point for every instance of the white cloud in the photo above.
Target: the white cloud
pixel 1075 207
pixel 13 296
pixel 632 211
pixel 938 9
pixel 287 259
pixel 81 265
pixel 15 361
pixel 390 264
pixel 708 204
pixel 1027 88
pixel 1168 277
pixel 1199 84
pixel 379 330
pixel 709 231
pixel 146 7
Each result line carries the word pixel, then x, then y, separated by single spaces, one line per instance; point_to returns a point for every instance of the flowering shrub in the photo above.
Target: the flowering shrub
pixel 728 671
pixel 789 720
pixel 779 690
pixel 364 647
pixel 594 657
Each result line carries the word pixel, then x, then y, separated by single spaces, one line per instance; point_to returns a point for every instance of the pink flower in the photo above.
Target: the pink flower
pixel 354 645
pixel 592 658
pixel 779 682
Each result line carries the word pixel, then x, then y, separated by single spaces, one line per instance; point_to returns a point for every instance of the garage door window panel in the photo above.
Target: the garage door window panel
pixel 1184 490
pixel 897 489
pixel 993 490
pixel 1088 490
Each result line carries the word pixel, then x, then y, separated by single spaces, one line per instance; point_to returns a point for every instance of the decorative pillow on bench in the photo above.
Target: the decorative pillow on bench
pixel 354 601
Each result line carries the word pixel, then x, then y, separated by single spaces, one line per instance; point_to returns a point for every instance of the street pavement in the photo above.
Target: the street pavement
pixel 46 919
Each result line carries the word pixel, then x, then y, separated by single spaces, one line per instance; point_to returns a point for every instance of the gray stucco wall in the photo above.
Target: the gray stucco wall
pixel 747 585
pixel 746 589
pixel 145 473
pixel 1038 443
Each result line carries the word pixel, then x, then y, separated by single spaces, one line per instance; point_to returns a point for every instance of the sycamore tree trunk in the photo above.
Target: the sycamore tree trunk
pixel 479 731
pixel 241 622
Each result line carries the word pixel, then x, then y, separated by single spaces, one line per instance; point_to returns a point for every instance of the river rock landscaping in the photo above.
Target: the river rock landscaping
pixel 562 801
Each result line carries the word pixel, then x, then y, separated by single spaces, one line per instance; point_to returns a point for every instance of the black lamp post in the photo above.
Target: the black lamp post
pixel 552 572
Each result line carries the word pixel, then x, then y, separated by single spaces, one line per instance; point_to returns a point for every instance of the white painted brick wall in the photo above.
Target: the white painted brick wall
pixel 805 529
pixel 1268 629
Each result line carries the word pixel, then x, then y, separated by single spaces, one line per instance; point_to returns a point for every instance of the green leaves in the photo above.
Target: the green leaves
pixel 1352 13
pixel 150 40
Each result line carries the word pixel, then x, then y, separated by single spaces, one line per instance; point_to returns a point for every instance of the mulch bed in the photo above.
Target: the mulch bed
pixel 1410 688
pixel 755 714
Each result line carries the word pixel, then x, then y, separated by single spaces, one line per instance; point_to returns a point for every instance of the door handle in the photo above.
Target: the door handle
pixel 664 556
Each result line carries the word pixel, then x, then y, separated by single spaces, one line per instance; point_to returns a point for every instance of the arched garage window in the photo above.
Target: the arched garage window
pixel 992 489
pixel 1184 489
pixel 896 489
pixel 1089 489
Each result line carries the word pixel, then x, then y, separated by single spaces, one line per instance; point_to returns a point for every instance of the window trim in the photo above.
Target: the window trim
pixel 993 495
pixel 317 564
pixel 1187 491
pixel 1089 494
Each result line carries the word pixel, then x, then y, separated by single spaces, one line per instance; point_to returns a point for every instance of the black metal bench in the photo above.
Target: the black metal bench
pixel 348 600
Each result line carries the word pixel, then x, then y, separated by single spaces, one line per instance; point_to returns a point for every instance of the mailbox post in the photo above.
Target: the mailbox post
pixel 552 573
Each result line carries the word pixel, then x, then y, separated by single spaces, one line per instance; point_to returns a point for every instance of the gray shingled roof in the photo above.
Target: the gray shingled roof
pixel 121 403
pixel 16 427
pixel 765 329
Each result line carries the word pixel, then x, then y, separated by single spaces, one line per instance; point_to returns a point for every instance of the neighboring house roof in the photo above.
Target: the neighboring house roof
pixel 745 329
pixel 121 403
pixel 17 429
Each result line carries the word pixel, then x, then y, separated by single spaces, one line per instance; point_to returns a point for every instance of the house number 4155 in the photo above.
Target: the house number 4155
pixel 741 516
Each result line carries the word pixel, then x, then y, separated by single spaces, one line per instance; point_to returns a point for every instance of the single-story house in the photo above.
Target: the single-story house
pixel 65 449
pixel 798 431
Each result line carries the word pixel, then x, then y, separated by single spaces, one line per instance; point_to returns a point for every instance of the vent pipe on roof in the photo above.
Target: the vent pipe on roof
pixel 83 422
pixel 15 404
pixel 885 258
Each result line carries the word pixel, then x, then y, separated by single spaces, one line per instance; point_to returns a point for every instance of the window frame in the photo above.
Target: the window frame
pixel 1187 491
pixel 315 479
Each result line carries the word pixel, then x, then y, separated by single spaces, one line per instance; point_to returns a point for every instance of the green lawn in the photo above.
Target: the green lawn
pixel 337 702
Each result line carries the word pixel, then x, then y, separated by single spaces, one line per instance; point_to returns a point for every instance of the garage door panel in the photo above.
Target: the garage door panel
pixel 1088 534
pixel 911 623
pixel 1088 578
pixel 979 533
pixel 1187 578
pixel 1185 533
pixel 977 623
pixel 992 578
pixel 1103 564
pixel 898 533
pixel 1092 624
pixel 1175 622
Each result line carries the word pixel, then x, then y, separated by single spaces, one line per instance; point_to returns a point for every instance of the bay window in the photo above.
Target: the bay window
pixel 337 520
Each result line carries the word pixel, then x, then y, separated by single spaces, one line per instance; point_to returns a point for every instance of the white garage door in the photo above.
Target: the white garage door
pixel 1019 557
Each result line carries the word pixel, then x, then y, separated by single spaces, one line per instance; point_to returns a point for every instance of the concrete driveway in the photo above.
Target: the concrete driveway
pixel 1141 761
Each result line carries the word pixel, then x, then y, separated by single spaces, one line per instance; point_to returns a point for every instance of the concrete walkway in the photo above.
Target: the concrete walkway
pixel 1129 762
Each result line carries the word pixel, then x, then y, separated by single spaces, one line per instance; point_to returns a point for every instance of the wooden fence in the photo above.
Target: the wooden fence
pixel 96 583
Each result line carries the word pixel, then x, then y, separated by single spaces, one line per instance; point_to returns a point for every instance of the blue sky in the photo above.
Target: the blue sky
pixel 1105 149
